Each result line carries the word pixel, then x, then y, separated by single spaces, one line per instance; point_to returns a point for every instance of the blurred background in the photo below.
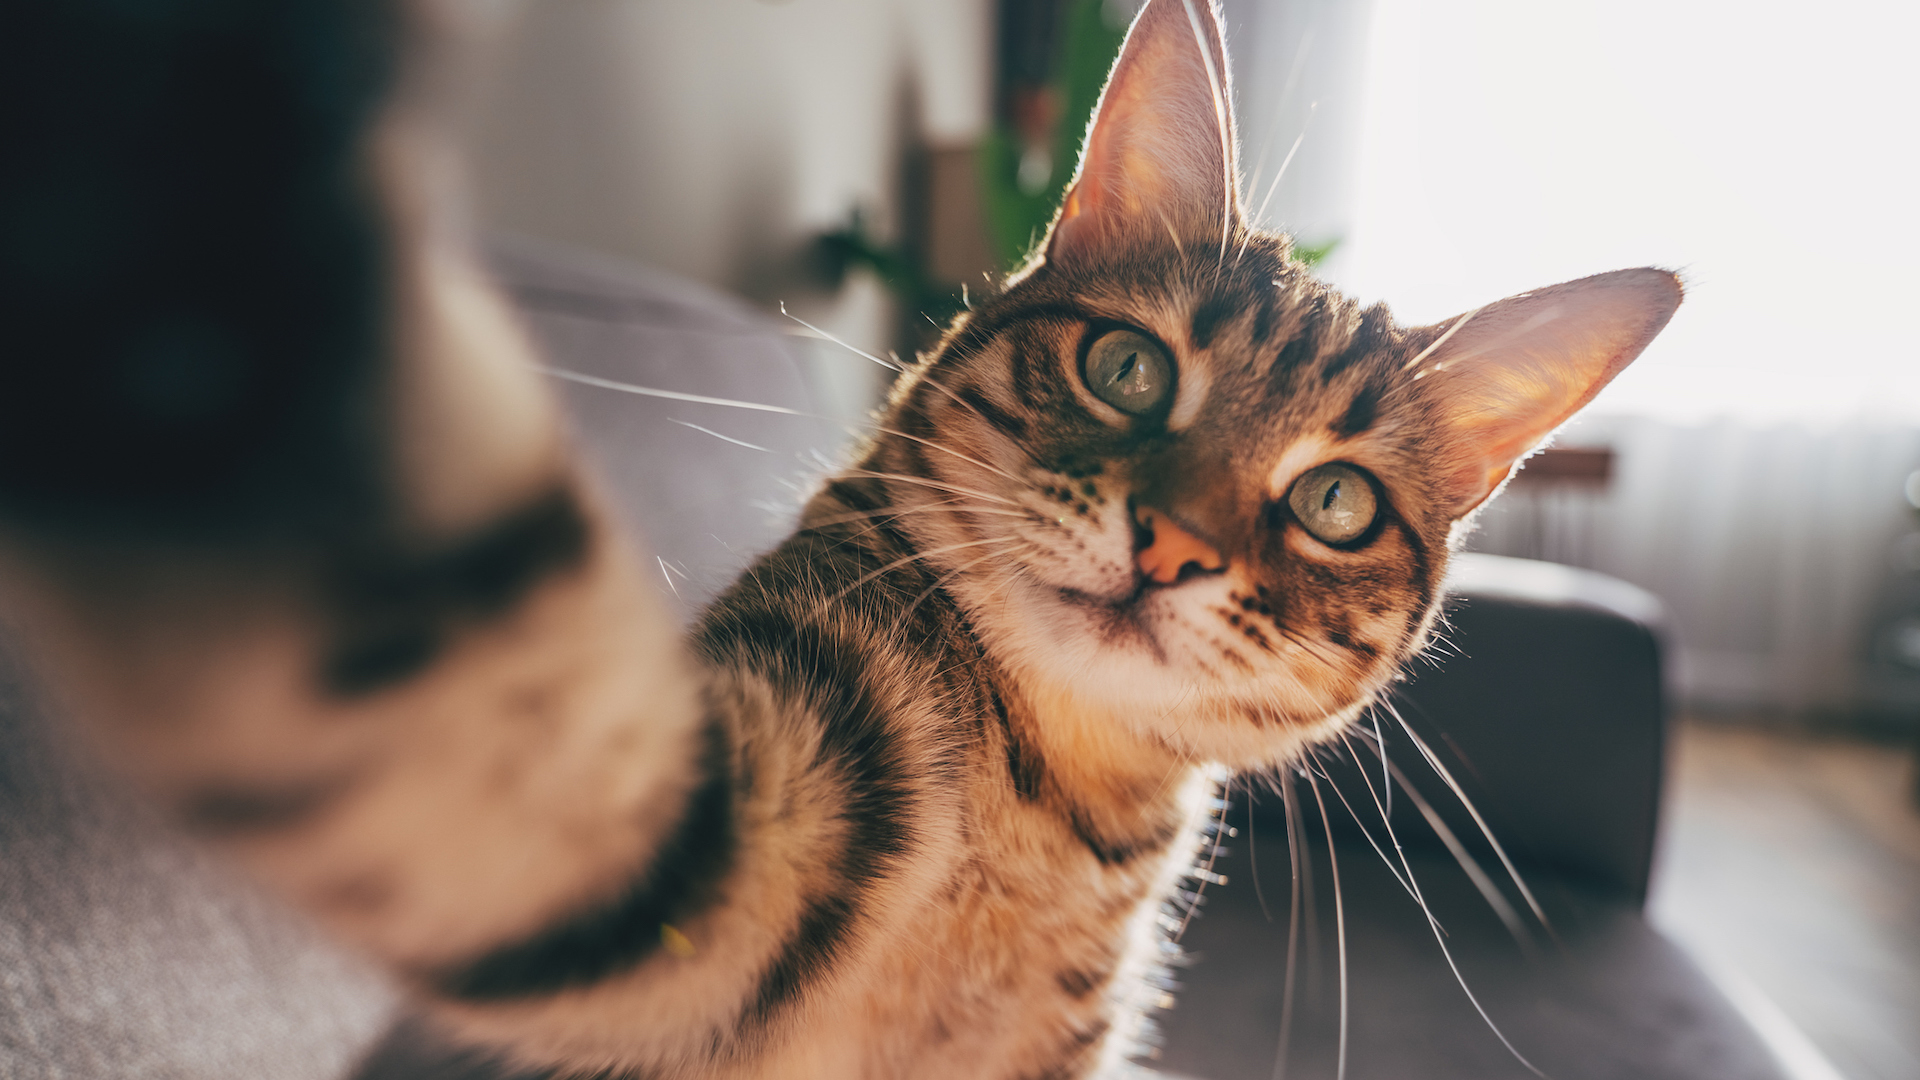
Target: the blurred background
pixel 864 161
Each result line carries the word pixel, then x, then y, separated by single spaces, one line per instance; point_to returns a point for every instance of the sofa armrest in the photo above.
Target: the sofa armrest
pixel 1543 699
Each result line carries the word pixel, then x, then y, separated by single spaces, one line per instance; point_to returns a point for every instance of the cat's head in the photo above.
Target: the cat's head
pixel 1174 478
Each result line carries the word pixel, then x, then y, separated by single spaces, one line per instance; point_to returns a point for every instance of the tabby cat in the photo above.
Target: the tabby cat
pixel 909 799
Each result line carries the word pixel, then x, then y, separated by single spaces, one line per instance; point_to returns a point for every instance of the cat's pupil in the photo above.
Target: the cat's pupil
pixel 1129 372
pixel 1333 492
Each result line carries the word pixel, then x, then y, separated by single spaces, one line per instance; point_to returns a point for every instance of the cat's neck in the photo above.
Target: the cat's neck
pixel 1128 789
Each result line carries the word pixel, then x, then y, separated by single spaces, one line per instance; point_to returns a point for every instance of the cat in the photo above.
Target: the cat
pixel 908 800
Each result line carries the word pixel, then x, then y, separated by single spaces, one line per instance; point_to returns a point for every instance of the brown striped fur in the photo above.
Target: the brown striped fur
pixel 911 798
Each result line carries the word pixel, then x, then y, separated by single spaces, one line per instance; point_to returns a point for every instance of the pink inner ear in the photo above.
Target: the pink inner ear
pixel 1159 155
pixel 1512 372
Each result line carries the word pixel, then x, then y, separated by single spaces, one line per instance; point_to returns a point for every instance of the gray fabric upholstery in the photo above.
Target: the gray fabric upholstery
pixel 1610 1000
pixel 125 952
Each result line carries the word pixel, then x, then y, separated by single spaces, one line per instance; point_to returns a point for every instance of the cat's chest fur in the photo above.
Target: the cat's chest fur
pixel 1023 931
pixel 1035 952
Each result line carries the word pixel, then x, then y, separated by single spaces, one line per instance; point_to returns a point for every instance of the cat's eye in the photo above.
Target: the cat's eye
pixel 1129 371
pixel 1334 502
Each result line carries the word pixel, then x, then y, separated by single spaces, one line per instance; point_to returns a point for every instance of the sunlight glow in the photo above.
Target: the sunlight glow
pixel 1766 152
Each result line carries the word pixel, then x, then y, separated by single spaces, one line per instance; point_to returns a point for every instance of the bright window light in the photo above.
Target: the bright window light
pixel 1767 151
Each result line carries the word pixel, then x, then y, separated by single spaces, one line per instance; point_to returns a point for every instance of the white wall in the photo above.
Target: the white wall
pixel 715 138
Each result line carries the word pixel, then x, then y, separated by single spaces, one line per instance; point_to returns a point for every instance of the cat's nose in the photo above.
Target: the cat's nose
pixel 1170 549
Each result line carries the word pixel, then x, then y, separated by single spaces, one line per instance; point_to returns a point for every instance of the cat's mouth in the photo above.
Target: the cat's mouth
pixel 1133 618
pixel 1143 586
pixel 1115 618
pixel 1131 605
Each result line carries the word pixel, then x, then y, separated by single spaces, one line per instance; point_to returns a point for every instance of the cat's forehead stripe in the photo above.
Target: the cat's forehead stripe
pixel 1360 413
pixel 1208 316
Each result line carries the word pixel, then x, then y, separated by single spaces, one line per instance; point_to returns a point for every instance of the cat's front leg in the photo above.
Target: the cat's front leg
pixel 289 521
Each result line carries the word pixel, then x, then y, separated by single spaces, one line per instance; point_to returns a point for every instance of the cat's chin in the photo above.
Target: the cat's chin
pixel 1160 660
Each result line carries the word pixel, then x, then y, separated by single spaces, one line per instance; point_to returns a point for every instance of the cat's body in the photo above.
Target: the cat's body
pixel 976 916
pixel 911 800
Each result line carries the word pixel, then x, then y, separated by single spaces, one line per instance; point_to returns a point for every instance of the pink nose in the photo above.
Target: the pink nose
pixel 1171 548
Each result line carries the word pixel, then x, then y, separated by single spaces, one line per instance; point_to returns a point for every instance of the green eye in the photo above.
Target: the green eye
pixel 1335 502
pixel 1129 371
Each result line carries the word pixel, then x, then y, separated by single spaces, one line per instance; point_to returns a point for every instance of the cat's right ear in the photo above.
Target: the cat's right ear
pixel 1503 377
pixel 1159 156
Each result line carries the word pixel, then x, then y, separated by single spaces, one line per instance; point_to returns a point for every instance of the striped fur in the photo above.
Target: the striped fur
pixel 910 800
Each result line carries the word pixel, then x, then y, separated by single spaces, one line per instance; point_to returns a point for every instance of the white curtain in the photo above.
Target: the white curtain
pixel 1774 547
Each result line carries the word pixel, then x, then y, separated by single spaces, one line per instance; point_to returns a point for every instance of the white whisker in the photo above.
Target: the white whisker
pixel 1439 935
pixel 880 517
pixel 1253 859
pixel 1311 896
pixel 702 399
pixel 669 577
pixel 923 481
pixel 1289 801
pixel 670 395
pixel 968 458
pixel 1477 874
pixel 1435 763
pixel 904 560
pixel 1380 747
pixel 898 511
pixel 1172 233
pixel 1294 72
pixel 825 336
pixel 1324 655
pixel 1364 831
pixel 1312 111
pixel 722 438
pixel 1439 341
pixel 1339 921
pixel 942 580
pixel 1260 214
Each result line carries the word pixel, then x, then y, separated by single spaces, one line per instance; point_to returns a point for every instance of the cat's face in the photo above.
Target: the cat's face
pixel 1195 488
pixel 1174 478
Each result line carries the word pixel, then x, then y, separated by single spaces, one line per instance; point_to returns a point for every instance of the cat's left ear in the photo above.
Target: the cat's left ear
pixel 1159 158
pixel 1503 377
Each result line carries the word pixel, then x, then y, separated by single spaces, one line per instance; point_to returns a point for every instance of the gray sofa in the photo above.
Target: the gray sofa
pixel 125 953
